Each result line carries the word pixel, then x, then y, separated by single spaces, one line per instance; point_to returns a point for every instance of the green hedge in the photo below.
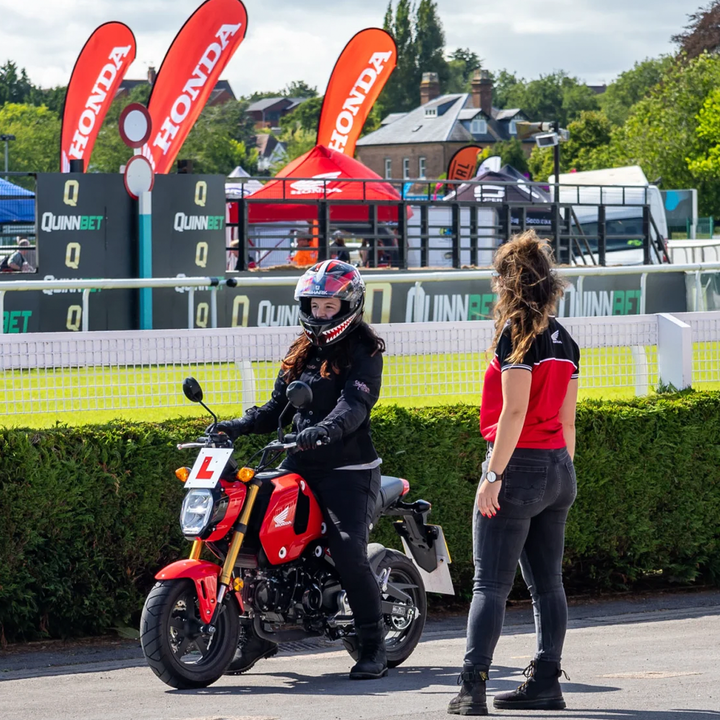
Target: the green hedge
pixel 88 514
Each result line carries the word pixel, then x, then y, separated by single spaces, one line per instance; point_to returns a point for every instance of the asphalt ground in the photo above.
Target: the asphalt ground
pixel 637 658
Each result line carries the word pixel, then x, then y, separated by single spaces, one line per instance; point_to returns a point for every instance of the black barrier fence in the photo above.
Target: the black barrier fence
pixel 439 224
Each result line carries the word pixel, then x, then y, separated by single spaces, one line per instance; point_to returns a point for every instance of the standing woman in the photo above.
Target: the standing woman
pixel 527 417
pixel 340 357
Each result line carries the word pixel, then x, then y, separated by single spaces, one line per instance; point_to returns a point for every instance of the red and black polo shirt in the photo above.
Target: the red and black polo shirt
pixel 553 359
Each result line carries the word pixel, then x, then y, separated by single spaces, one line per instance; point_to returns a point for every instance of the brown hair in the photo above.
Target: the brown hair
pixel 527 288
pixel 337 361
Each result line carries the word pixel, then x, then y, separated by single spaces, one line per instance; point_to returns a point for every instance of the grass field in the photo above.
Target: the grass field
pixel 41 398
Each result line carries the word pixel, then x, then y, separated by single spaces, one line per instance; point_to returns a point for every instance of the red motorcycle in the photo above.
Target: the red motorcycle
pixel 272 567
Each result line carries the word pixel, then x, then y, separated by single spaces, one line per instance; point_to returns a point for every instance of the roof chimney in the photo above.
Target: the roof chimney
pixel 152 74
pixel 429 87
pixel 482 87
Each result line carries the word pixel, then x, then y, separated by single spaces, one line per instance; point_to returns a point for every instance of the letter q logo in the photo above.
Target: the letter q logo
pixel 200 193
pixel 72 191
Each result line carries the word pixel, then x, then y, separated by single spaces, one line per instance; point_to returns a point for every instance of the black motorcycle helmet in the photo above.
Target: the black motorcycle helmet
pixel 331 279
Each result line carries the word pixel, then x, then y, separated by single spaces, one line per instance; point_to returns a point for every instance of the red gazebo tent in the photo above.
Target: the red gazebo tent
pixel 323 174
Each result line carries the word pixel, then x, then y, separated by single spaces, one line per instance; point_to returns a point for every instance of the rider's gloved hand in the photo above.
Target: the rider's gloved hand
pixel 308 439
pixel 232 428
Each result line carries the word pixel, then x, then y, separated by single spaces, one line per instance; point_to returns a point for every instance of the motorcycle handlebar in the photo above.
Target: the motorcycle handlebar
pixel 183 446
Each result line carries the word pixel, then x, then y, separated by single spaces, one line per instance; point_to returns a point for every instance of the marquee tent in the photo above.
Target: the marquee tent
pixel 17 205
pixel 323 174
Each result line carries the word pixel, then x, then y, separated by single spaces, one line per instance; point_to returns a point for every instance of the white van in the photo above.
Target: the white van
pixel 621 218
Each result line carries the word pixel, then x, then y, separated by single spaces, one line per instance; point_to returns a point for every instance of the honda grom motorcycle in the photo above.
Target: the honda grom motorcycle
pixel 272 572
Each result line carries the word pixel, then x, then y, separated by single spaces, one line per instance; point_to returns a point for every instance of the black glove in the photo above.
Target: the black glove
pixel 308 438
pixel 233 428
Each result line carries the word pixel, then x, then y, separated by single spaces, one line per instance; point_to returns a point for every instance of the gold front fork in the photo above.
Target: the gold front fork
pixel 196 550
pixel 239 535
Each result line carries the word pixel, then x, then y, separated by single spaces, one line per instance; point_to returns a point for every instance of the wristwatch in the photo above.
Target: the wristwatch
pixel 492 476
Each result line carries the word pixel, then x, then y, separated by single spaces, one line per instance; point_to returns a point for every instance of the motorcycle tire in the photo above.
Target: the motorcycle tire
pixel 176 651
pixel 400 641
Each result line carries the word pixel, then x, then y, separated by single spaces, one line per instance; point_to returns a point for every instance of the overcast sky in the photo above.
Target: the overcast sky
pixel 300 39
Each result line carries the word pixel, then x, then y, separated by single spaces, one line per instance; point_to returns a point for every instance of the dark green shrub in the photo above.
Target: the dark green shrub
pixel 88 515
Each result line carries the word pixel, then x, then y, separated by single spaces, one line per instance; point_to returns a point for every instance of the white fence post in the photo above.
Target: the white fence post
pixel 249 388
pixel 674 351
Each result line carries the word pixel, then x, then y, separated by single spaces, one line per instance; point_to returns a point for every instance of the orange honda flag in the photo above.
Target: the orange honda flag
pixel 188 74
pixel 359 76
pixel 463 163
pixel 97 74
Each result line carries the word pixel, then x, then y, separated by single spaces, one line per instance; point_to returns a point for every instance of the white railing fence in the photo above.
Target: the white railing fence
pixel 425 363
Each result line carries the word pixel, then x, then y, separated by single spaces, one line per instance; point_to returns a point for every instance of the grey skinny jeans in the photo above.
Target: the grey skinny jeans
pixel 538 489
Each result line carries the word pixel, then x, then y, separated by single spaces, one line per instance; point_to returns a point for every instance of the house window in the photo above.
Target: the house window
pixel 406 168
pixel 388 168
pixel 479 126
pixel 513 127
pixel 421 167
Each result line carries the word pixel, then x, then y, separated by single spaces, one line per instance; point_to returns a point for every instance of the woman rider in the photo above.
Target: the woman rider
pixel 340 357
pixel 527 416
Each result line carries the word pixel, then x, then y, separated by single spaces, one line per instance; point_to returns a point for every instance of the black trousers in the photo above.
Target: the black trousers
pixel 347 499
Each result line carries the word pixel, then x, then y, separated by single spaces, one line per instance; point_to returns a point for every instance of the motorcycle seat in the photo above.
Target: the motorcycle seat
pixel 391 488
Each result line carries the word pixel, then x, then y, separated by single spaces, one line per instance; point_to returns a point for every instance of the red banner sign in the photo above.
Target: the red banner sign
pixel 97 74
pixel 187 77
pixel 359 76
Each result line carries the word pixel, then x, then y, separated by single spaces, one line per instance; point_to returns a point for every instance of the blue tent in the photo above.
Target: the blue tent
pixel 17 205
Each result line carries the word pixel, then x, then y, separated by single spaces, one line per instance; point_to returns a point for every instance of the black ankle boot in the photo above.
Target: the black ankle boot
pixel 541 690
pixel 471 698
pixel 372 663
pixel 251 648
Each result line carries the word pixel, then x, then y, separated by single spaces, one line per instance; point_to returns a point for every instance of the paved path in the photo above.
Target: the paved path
pixel 642 659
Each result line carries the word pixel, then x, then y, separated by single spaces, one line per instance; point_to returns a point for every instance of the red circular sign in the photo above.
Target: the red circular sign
pixel 135 125
pixel 139 176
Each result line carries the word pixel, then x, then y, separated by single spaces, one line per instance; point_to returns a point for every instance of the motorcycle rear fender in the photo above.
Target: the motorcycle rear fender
pixel 205 576
pixel 420 538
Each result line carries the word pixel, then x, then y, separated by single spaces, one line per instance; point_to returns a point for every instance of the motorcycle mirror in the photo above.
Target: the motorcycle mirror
pixel 299 394
pixel 193 391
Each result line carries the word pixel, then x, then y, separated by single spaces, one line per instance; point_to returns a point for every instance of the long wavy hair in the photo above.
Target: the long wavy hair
pixel 528 290
pixel 339 354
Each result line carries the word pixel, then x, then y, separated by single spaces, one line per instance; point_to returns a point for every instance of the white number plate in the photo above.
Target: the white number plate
pixel 208 467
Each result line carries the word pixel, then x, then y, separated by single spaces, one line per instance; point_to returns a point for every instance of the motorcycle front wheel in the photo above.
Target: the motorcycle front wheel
pixel 175 648
pixel 404 627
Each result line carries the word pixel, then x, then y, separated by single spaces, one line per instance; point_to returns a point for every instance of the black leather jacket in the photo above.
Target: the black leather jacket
pixel 341 404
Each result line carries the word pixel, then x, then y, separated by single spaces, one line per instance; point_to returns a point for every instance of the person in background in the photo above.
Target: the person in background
pixel 18 261
pixel 338 249
pixel 527 417
pixel 306 254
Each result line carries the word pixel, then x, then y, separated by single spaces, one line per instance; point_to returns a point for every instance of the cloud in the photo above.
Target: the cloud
pixel 289 40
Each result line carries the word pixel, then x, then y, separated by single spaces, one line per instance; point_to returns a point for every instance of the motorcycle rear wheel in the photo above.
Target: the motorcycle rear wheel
pixel 401 637
pixel 175 649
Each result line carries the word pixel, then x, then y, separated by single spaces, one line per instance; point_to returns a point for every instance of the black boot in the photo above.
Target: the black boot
pixel 372 663
pixel 541 690
pixel 251 648
pixel 471 698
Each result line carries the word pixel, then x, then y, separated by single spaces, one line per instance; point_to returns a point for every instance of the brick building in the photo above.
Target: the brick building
pixel 420 143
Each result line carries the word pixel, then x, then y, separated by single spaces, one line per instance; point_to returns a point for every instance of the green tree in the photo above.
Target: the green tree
pixel 504 83
pixel 670 134
pixel 631 86
pixel 461 66
pixel 430 42
pixel 299 89
pixel 15 85
pixel 510 152
pixel 402 91
pixel 551 97
pixel 36 147
pixel 306 116
pixel 590 135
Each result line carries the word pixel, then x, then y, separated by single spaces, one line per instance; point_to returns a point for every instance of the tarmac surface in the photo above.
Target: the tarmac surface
pixel 641 658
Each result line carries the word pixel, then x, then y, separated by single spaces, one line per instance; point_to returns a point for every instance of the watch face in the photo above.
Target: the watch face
pixel 490 476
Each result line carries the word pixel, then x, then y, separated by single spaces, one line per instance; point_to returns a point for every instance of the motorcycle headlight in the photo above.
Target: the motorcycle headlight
pixel 196 512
